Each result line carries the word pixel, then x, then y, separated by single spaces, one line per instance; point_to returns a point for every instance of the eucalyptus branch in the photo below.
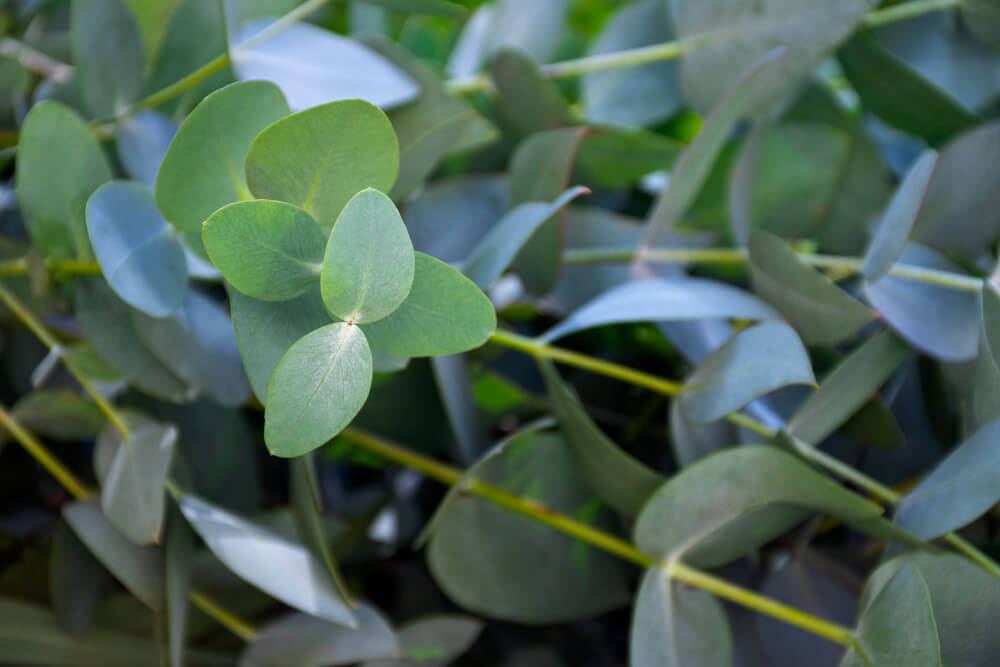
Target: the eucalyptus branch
pixel 238 626
pixel 35 61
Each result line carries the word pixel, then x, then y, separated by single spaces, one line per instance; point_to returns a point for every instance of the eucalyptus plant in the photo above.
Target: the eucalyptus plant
pixel 691 306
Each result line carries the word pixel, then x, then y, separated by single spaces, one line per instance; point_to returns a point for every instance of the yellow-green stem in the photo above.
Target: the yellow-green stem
pixel 226 618
pixel 50 341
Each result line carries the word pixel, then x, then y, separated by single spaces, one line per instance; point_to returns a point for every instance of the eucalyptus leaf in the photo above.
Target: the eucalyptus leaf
pixel 495 562
pixel 820 311
pixel 527 100
pixel 893 232
pixel 433 641
pixel 939 321
pixel 142 141
pixel 983 21
pixel 178 554
pixel 498 247
pixel 59 414
pixel 526 26
pixel 659 300
pixel 203 168
pixel 317 388
pixel 77 581
pixel 758 492
pixel 138 251
pixel 139 569
pixel 269 250
pixel 59 165
pixel 897 627
pixel 985 402
pixel 297 57
pixel 692 442
pixel 445 313
pixel 275 565
pixel 108 55
pixel 677 626
pixel 266 329
pixel 621 481
pixel 369 263
pixel 319 158
pixel 197 343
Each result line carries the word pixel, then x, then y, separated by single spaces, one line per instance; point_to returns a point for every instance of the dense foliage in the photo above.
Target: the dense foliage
pixel 690 305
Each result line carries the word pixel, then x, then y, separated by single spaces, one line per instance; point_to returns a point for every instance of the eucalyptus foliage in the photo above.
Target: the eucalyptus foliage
pixel 692 305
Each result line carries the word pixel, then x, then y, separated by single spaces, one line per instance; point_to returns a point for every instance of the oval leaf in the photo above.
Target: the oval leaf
pixel 368 266
pixel 268 250
pixel 203 168
pixel 317 388
pixel 110 71
pixel 445 313
pixel 319 158
pixel 138 251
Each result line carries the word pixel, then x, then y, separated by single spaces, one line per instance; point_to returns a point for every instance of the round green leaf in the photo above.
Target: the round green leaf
pixel 319 158
pixel 445 313
pixel 203 168
pixel 269 250
pixel 318 387
pixel 368 267
pixel 59 163
pixel 139 253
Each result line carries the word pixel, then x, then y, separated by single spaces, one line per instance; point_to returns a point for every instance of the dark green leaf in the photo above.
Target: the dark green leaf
pixel 986 391
pixel 433 641
pixel 754 362
pixel 319 158
pixel 59 163
pixel 76 580
pixel 317 388
pixel 107 54
pixel 179 552
pixel 677 626
pixel 527 100
pixel 758 492
pixel 268 250
pixel 277 566
pixel 445 313
pixel 203 168
pixel 656 300
pixel 621 481
pixel 982 18
pixel 369 263
pixel 613 156
pixel 59 414
pixel 140 569
pixel 138 251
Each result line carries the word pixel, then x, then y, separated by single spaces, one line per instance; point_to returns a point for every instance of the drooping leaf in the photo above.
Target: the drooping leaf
pixel 964 598
pixel 810 30
pixel 142 140
pixel 659 300
pixel 132 493
pixel 636 95
pixel 614 156
pixel 107 323
pixel 272 563
pixel 266 329
pixel 193 35
pixel 677 626
pixel 369 263
pixel 138 251
pixel 479 201
pixel 758 492
pixel 982 20
pixel 179 553
pixel 986 388
pixel 941 321
pixel 59 414
pixel 304 492
pixel 494 562
pixel 454 384
pixel 469 50
pixel 139 569
pixel 445 313
pixel 317 388
pixel 76 580
pixel 900 95
pixel 269 250
pixel 151 17
pixel 498 247
pixel 847 387
pixel 897 626
pixel 695 164
pixel 754 362
pixel 203 168
pixel 525 99
pixel 539 171
pixel 197 343
pixel 893 231
pixel 306 640
pixel 59 164
pixel 819 310
pixel 31 635
pixel 433 641
pixel 526 26
pixel 319 158
pixel 958 490
pixel 692 442
pixel 107 55
pixel 621 481
pixel 297 59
